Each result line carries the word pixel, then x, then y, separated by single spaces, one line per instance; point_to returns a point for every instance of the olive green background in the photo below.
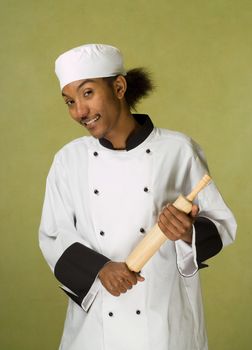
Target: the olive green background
pixel 200 54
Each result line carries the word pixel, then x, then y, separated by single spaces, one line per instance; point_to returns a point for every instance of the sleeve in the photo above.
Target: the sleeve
pixel 73 262
pixel 215 226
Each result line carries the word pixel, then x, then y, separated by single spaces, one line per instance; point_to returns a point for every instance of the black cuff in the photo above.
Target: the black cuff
pixel 208 241
pixel 77 269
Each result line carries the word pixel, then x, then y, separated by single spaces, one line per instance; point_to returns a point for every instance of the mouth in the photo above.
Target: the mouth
pixel 89 122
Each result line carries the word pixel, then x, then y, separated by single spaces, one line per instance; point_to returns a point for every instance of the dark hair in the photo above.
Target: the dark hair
pixel 139 85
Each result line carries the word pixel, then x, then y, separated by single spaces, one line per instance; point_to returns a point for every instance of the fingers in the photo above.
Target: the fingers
pixel 175 224
pixel 117 278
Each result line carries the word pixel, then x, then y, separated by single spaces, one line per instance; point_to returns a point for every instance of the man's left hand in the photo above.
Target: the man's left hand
pixel 177 225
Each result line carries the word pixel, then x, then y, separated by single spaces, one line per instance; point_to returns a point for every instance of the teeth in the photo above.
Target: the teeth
pixel 92 120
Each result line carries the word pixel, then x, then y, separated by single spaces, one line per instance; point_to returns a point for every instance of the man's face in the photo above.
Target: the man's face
pixel 94 104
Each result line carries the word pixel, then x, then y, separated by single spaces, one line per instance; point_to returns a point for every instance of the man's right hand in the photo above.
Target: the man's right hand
pixel 117 278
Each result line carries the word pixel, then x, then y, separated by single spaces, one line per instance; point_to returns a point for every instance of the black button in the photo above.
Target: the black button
pixel 148 150
pixel 102 233
pixel 95 154
pixel 146 189
pixel 96 192
pixel 138 312
pixel 110 314
pixel 142 230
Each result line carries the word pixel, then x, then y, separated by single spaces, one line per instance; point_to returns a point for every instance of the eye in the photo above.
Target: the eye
pixel 87 93
pixel 69 103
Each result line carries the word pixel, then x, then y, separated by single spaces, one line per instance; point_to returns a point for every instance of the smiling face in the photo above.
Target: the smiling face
pixel 97 105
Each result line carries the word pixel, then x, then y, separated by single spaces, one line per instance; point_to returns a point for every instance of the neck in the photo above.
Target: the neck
pixel 124 130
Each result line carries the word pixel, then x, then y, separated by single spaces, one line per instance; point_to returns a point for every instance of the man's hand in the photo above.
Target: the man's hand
pixel 177 225
pixel 117 278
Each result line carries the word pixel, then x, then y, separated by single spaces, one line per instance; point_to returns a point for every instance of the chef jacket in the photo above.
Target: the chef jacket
pixel 99 204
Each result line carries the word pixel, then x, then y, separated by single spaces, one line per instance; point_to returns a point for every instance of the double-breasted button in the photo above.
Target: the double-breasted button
pixel 142 230
pixel 138 312
pixel 95 154
pixel 96 191
pixel 148 151
pixel 102 233
pixel 111 314
pixel 146 189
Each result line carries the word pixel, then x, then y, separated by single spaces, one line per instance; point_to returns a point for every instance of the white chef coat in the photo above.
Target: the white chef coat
pixel 106 200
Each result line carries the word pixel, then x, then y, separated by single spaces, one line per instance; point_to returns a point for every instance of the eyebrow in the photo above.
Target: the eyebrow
pixel 80 85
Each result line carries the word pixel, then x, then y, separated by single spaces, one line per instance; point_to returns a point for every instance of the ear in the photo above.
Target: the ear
pixel 120 86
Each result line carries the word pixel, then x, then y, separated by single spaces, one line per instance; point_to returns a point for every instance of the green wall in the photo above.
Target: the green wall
pixel 200 54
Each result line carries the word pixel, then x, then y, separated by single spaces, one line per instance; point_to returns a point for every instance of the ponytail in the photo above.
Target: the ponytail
pixel 139 85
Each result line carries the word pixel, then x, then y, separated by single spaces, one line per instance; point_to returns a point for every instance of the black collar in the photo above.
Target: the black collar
pixel 136 138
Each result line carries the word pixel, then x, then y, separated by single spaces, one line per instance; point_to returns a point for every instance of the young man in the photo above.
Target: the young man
pixel 104 192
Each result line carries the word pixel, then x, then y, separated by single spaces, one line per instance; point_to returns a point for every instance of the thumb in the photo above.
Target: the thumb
pixel 194 211
pixel 139 277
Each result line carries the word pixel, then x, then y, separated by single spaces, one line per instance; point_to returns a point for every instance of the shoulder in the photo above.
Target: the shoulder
pixel 75 149
pixel 182 152
pixel 177 141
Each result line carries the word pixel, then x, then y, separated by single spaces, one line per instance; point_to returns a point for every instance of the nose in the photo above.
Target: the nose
pixel 81 110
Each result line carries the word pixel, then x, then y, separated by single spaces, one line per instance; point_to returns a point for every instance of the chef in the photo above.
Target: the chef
pixel 104 192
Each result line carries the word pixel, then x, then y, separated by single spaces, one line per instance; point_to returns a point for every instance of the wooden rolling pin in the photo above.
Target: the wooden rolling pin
pixel 155 237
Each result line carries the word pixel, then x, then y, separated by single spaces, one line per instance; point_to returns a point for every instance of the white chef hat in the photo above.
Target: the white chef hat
pixel 87 62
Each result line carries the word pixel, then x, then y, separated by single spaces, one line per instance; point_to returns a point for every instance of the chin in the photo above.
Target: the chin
pixel 96 135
